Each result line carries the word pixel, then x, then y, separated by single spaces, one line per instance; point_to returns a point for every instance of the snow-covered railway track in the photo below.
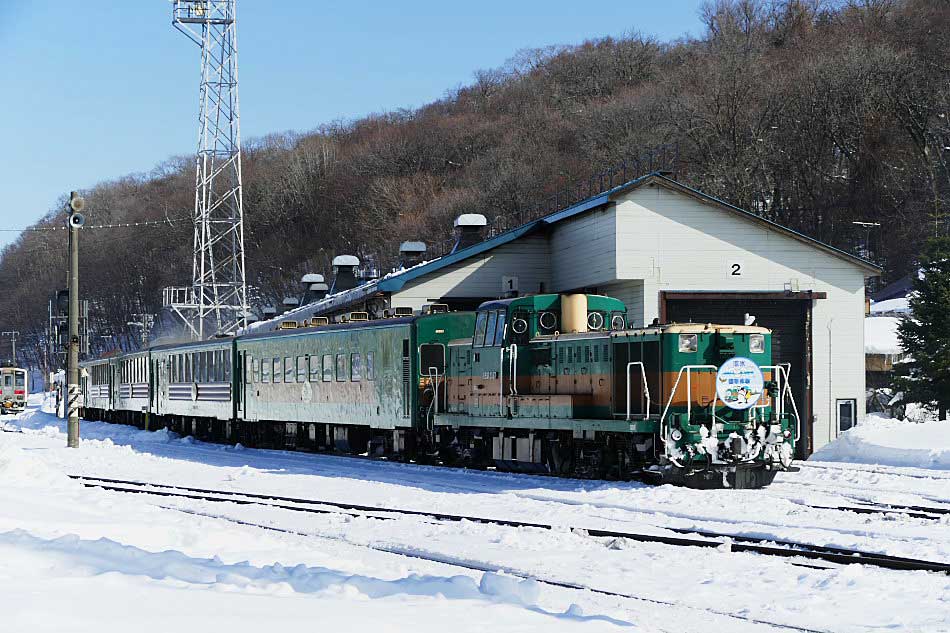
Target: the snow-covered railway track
pixel 876 469
pixel 694 538
pixel 472 565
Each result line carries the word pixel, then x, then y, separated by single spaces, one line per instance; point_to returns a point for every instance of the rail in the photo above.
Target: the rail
pixel 646 389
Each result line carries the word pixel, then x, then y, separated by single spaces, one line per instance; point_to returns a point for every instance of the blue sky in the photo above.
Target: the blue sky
pixel 93 91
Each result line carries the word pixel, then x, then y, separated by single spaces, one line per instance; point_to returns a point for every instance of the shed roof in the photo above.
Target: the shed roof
pixel 394 282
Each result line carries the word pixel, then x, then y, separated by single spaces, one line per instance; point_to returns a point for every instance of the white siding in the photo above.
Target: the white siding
pixel 631 293
pixel 528 259
pixel 585 250
pixel 673 241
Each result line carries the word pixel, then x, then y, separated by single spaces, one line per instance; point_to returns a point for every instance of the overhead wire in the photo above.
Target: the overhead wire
pixel 114 225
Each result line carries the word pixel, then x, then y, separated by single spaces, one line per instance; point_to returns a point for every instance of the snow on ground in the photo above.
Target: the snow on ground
pixel 879 440
pixel 880 335
pixel 119 560
pixel 899 305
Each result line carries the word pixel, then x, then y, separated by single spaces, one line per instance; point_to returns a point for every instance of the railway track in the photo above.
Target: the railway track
pixel 522 575
pixel 815 554
pixel 876 470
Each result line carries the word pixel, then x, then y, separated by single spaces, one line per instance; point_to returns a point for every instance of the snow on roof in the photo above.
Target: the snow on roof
pixel 346 260
pixel 312 278
pixel 896 306
pixel 471 219
pixel 880 335
pixel 412 247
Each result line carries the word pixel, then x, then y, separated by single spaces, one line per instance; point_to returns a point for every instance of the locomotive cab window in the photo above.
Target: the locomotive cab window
pixel 500 328
pixel 490 329
pixel 757 343
pixel 432 359
pixel 688 342
pixel 481 324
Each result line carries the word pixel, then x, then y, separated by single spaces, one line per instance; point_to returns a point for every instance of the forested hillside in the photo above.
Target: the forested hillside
pixel 813 114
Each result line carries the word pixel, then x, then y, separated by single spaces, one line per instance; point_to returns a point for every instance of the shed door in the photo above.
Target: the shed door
pixel 787 318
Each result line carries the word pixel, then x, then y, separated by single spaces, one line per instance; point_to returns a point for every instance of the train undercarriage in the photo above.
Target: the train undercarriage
pixel 577 454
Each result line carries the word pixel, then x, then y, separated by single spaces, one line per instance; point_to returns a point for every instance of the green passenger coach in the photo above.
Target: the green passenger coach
pixel 547 383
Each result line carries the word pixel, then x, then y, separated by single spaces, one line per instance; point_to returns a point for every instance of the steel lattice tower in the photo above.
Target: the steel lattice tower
pixel 217 300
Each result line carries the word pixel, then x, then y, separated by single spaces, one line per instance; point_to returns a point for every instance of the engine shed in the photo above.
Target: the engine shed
pixel 671 254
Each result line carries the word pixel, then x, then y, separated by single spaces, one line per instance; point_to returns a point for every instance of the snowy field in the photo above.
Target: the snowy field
pixel 82 559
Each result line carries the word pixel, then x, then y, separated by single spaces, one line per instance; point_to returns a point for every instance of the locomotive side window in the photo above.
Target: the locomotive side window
pixel 278 371
pixel 355 368
pixel 370 366
pixel 327 368
pixel 481 324
pixel 341 367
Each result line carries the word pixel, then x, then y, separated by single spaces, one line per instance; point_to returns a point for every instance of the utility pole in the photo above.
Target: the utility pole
pixel 13 334
pixel 74 223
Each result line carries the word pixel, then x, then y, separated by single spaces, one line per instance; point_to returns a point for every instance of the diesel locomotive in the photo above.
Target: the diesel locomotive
pixel 544 383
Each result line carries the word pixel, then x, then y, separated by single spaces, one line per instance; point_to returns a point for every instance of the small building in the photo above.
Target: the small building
pixel 671 253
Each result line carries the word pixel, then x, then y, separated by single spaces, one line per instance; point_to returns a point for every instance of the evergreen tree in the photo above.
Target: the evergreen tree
pixel 925 333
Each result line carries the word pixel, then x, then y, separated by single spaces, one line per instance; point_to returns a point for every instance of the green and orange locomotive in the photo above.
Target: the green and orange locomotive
pixel 544 383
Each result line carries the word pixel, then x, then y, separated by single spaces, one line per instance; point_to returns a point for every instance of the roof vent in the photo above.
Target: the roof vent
pixel 269 312
pixel 359 316
pixel 411 253
pixel 287 325
pixel 469 230
pixel 344 273
pixel 315 287
pixel 318 321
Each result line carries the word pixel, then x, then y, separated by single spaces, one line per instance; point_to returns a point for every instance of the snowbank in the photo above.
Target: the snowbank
pixel 889 442
pixel 880 335
pixel 899 305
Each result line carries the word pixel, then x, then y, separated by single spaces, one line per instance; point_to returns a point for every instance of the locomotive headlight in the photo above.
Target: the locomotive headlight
pixel 676 434
pixel 757 343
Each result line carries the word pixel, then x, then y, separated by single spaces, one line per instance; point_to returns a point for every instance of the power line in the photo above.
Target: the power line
pixel 115 225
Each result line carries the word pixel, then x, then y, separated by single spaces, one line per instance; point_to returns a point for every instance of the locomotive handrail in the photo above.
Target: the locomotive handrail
pixel 433 375
pixel 785 389
pixel 646 388
pixel 689 410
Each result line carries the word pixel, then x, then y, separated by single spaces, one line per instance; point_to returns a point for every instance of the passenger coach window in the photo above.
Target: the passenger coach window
pixel 370 366
pixel 301 369
pixel 314 368
pixel 355 368
pixel 278 371
pixel 248 369
pixel 481 325
pixel 327 368
pixel 265 369
pixel 288 369
pixel 256 363
pixel 341 367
